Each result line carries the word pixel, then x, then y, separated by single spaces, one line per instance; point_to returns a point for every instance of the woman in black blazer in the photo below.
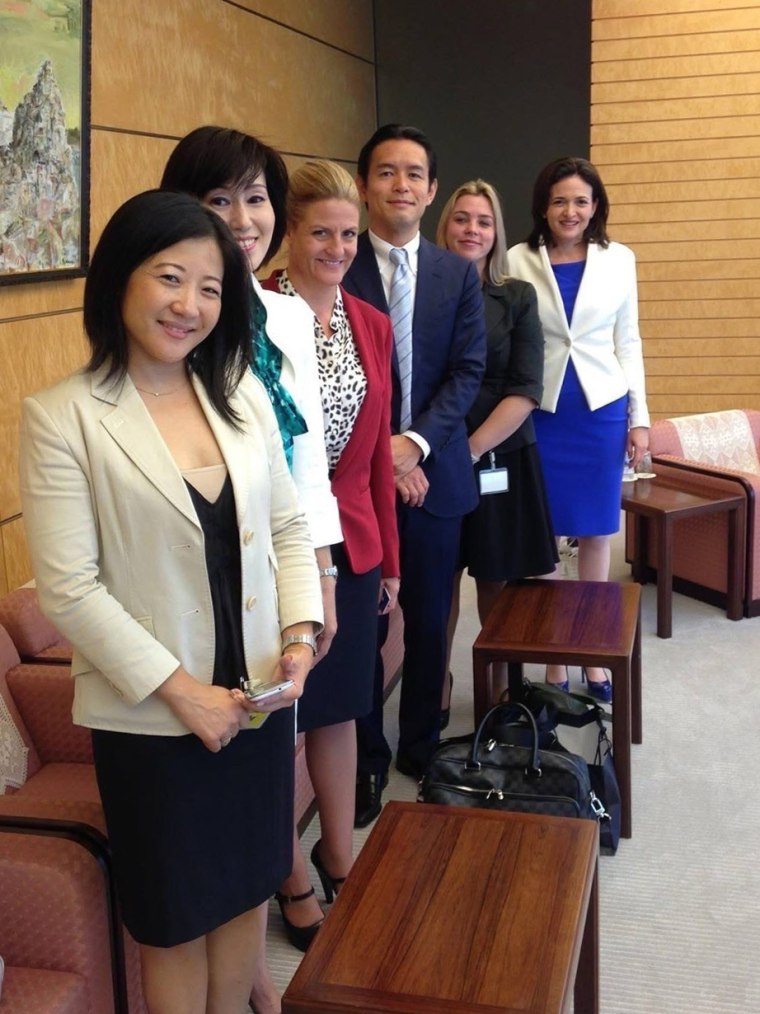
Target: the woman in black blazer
pixel 509 534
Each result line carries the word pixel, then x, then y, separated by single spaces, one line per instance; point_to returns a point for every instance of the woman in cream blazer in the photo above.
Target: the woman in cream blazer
pixel 593 413
pixel 169 547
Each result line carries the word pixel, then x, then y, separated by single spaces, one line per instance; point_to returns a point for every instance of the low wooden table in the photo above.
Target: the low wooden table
pixel 663 502
pixel 582 623
pixel 450 910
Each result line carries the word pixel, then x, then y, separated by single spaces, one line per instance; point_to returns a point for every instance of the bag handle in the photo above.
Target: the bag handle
pixel 534 768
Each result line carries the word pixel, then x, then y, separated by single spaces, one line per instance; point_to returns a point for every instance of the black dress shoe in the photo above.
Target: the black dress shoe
pixel 369 789
pixel 408 766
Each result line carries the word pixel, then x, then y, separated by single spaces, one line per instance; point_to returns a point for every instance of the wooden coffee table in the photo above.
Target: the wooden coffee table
pixel 450 910
pixel 662 502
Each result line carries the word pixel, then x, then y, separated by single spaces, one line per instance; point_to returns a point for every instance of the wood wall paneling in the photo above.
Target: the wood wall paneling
pixel 638 8
pixel 343 23
pixel 17 567
pixel 39 298
pixel 227 66
pixel 35 353
pixel 676 135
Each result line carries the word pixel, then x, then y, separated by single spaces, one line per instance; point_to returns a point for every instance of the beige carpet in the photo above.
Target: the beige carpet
pixel 680 902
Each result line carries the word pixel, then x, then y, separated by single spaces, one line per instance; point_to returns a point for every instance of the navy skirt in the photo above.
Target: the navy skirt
pixel 197 838
pixel 339 688
pixel 582 456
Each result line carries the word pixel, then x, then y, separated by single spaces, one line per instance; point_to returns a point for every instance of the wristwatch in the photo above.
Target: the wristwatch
pixel 329 572
pixel 300 639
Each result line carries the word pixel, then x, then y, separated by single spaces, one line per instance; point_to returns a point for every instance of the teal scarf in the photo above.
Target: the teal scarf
pixel 267 366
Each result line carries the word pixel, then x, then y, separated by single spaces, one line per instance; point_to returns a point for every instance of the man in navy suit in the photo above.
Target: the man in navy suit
pixel 431 459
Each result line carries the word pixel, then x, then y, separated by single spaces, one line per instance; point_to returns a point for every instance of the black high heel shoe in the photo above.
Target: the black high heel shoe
pixel 601 689
pixel 330 884
pixel 298 936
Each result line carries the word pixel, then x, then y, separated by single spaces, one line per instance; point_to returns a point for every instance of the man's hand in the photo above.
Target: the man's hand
pixel 413 487
pixel 405 453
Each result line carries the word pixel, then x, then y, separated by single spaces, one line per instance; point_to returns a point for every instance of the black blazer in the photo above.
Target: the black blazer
pixel 514 356
pixel 448 349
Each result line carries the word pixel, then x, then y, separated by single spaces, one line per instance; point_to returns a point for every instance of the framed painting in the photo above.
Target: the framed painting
pixel 44 139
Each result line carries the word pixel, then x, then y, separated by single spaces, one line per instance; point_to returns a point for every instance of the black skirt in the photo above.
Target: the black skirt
pixel 509 535
pixel 197 838
pixel 339 688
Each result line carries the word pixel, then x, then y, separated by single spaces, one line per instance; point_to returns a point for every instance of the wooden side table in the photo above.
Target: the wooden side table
pixel 450 910
pixel 582 623
pixel 662 502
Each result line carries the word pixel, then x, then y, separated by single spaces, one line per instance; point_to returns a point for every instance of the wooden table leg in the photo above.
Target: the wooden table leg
pixel 621 741
pixel 586 993
pixel 665 578
pixel 636 693
pixel 639 563
pixel 735 576
pixel 482 684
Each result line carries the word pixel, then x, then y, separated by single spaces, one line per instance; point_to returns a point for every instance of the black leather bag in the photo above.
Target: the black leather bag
pixel 487 772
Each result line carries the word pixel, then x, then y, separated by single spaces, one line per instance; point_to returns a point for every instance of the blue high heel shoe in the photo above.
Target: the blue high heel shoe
pixel 601 689
pixel 564 685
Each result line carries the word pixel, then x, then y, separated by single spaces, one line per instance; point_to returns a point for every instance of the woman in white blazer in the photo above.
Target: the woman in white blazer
pixel 169 547
pixel 593 413
pixel 245 182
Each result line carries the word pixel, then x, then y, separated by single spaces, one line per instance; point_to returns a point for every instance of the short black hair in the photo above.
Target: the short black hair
pixel 142 227
pixel 397 132
pixel 211 157
pixel 560 169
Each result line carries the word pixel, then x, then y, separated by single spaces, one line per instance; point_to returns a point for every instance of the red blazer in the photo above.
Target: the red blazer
pixel 362 482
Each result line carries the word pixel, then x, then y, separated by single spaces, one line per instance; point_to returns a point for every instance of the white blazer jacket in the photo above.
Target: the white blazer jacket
pixel 118 552
pixel 603 338
pixel 290 325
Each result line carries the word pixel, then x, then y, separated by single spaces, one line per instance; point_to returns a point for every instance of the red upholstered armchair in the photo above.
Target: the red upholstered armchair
pixel 47 775
pixel 35 637
pixel 716 451
pixel 54 932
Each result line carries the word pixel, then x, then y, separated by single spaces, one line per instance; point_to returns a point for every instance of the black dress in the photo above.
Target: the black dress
pixel 509 535
pixel 199 838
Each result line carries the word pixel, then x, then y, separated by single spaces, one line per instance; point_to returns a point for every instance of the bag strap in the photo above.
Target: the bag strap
pixel 534 768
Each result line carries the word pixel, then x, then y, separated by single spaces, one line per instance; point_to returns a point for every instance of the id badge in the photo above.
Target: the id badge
pixel 493 479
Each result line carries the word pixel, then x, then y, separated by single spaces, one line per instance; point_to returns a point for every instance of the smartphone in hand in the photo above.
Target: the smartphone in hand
pixel 263 691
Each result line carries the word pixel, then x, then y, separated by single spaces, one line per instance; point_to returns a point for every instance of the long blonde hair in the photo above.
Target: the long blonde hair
pixel 497 265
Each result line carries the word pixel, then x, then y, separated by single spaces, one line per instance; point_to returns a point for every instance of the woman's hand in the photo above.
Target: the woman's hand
pixel 212 713
pixel 294 664
pixel 330 629
pixel 391 585
pixel 638 444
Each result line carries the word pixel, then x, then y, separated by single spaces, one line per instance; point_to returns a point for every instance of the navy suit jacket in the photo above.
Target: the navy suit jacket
pixel 448 359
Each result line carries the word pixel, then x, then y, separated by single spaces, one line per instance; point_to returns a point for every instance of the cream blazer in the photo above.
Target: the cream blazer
pixel 603 339
pixel 118 552
pixel 290 325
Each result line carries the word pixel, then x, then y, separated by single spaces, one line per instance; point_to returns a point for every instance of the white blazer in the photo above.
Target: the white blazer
pixel 118 552
pixel 603 338
pixel 290 325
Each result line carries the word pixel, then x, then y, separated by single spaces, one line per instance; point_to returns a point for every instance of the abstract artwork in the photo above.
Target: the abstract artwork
pixel 44 139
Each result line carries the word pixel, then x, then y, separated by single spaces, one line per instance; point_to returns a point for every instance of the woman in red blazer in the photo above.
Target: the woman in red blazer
pixel 353 342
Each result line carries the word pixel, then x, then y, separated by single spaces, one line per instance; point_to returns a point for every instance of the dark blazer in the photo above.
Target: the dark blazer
pixel 514 356
pixel 362 482
pixel 448 358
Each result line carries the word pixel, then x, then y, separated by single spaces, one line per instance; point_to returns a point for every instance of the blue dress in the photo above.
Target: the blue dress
pixel 582 452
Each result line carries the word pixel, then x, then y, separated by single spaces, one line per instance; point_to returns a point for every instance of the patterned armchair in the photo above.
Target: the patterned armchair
pixel 717 451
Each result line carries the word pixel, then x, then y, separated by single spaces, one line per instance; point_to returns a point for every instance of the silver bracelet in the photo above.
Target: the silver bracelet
pixel 329 572
pixel 299 639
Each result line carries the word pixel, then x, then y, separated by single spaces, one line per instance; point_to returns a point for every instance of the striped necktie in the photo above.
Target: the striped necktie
pixel 401 318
